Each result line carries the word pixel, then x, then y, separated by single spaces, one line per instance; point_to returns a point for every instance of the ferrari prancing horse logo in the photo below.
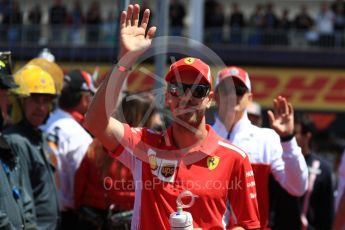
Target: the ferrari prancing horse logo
pixel 212 162
pixel 189 60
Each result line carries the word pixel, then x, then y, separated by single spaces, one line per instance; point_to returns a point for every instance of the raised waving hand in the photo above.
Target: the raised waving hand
pixel 135 39
pixel 282 119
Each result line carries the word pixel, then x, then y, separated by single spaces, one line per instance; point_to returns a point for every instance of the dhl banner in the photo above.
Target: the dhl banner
pixel 311 89
pixel 307 88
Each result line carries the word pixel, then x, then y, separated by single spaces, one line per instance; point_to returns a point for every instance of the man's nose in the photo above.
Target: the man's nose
pixel 41 104
pixel 186 96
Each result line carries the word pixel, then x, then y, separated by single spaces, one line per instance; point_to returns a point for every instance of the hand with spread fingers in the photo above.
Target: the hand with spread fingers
pixel 134 40
pixel 282 119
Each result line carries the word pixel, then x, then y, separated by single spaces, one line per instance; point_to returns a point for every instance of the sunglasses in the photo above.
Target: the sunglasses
pixel 226 90
pixel 240 90
pixel 197 91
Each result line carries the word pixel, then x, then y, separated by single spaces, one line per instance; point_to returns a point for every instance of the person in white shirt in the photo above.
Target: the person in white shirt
pixel 270 151
pixel 68 139
pixel 254 113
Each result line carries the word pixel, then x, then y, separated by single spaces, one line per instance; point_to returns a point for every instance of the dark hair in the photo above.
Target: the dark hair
pixel 307 125
pixel 69 98
pixel 137 109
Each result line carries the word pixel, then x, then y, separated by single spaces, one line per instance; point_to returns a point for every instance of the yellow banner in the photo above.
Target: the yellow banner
pixel 314 89
pixel 306 88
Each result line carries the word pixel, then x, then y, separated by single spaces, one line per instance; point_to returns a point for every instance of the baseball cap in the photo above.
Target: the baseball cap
pixel 190 64
pixel 6 78
pixel 79 81
pixel 234 72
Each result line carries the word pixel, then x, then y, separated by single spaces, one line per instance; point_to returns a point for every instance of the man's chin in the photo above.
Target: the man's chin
pixel 190 119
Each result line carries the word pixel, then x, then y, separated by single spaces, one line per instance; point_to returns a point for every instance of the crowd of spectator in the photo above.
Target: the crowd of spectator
pixel 265 25
pixel 64 25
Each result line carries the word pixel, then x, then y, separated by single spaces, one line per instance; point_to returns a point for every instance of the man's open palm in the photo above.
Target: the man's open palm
pixel 133 37
pixel 282 119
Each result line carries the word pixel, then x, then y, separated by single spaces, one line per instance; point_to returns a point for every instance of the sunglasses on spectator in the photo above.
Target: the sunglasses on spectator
pixel 197 90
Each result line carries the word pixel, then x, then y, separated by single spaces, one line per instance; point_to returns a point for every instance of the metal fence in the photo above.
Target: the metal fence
pixel 102 40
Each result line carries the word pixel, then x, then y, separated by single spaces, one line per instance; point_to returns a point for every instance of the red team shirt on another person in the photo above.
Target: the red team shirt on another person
pixel 117 186
pixel 216 171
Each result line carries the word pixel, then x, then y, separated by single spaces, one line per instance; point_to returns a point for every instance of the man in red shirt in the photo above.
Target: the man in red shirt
pixel 187 156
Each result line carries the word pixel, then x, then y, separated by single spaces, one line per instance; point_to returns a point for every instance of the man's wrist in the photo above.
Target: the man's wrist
pixel 123 68
pixel 287 138
pixel 126 59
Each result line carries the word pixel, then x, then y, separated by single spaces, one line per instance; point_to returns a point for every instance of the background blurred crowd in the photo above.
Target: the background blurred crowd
pixel 266 24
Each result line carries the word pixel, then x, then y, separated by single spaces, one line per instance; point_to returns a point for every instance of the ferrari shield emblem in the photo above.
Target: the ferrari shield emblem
pixel 189 60
pixel 212 162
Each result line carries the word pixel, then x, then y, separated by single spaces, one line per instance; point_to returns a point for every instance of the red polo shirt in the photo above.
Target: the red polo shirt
pixel 216 171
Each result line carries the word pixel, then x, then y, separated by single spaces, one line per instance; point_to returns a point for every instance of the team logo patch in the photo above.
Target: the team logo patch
pixel 153 162
pixel 189 60
pixel 234 72
pixel 168 170
pixel 212 162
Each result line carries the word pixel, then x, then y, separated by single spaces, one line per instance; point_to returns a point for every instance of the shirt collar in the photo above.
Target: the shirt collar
pixel 191 155
pixel 76 115
pixel 238 127
pixel 219 127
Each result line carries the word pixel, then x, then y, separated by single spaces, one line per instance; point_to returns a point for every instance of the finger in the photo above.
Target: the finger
pixel 291 111
pixel 286 107
pixel 123 19
pixel 145 20
pixel 129 15
pixel 275 107
pixel 270 117
pixel 151 32
pixel 290 108
pixel 281 105
pixel 136 15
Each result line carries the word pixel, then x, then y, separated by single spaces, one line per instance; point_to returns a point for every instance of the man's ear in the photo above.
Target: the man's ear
pixel 210 96
pixel 250 96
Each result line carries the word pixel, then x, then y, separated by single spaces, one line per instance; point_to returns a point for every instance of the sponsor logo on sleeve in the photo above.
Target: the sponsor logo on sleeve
pixel 251 184
pixel 252 195
pixel 249 173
